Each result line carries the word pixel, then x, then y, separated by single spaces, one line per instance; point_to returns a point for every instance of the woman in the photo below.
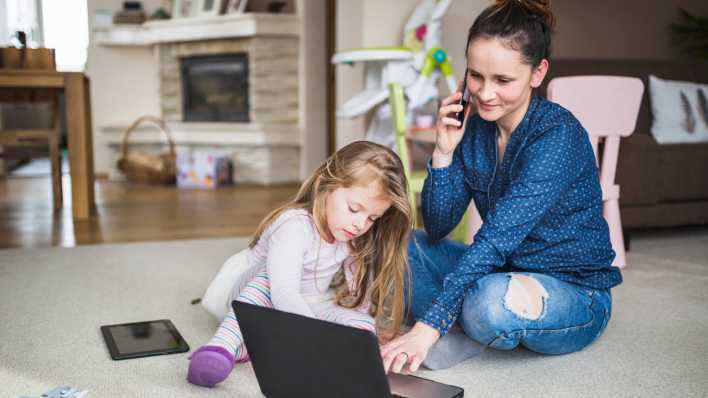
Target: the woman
pixel 539 270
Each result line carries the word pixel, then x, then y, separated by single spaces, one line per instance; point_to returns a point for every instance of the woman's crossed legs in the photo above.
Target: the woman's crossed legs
pixel 507 309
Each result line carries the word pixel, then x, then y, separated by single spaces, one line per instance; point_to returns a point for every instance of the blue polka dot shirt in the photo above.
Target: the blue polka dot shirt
pixel 541 206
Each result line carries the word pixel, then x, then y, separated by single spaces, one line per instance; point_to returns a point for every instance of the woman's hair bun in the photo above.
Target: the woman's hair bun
pixel 527 23
pixel 536 8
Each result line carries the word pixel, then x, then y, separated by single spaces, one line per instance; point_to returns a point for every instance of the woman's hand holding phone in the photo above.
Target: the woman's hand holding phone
pixel 452 118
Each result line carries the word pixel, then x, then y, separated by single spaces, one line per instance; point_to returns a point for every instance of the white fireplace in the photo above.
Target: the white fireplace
pixel 265 137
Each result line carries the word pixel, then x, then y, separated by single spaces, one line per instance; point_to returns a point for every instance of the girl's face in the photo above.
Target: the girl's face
pixel 350 212
pixel 499 81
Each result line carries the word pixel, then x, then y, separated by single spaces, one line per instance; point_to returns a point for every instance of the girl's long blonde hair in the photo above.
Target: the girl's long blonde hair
pixel 380 253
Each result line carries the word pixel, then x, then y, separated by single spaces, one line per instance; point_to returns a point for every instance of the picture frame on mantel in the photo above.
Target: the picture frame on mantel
pixel 185 8
pixel 210 8
pixel 235 6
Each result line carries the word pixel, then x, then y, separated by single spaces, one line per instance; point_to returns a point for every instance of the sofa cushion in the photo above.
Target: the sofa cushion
pixel 680 110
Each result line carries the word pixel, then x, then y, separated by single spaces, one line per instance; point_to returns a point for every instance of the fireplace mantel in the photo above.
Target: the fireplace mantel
pixel 266 150
pixel 194 29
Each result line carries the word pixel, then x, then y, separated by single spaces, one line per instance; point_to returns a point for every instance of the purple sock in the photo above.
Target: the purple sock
pixel 209 365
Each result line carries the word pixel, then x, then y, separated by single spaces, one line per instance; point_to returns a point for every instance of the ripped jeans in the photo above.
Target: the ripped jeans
pixel 505 309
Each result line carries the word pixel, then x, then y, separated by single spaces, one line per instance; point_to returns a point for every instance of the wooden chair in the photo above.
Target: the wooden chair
pixel 22 137
pixel 415 178
pixel 607 106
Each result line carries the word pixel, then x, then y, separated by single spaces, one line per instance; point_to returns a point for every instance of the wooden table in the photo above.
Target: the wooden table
pixel 78 121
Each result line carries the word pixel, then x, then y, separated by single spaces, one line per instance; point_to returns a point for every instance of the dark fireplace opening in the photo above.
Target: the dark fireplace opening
pixel 215 88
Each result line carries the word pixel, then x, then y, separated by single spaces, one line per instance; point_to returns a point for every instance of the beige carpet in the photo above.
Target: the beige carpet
pixel 52 302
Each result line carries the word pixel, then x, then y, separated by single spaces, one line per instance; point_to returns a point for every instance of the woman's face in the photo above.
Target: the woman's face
pixel 499 81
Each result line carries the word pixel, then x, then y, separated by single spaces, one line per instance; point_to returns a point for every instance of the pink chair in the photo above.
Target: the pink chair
pixel 607 106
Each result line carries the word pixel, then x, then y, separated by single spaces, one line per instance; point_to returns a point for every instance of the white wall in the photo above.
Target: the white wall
pixel 313 91
pixel 627 29
pixel 349 79
pixel 124 82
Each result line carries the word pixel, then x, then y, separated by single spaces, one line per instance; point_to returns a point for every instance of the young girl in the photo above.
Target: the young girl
pixel 352 215
pixel 538 273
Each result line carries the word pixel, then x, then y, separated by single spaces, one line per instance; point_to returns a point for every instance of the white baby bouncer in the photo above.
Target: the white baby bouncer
pixel 416 66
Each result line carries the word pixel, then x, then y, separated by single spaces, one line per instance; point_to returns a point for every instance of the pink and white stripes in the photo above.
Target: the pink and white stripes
pixel 257 291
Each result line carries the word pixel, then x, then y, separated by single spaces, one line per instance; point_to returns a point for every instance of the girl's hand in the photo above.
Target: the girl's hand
pixel 449 129
pixel 410 348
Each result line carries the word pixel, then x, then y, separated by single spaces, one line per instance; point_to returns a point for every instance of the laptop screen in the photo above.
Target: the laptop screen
pixel 297 356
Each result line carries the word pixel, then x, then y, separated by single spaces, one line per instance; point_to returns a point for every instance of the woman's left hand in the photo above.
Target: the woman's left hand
pixel 410 348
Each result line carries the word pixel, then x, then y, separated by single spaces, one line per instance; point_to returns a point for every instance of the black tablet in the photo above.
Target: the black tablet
pixel 143 339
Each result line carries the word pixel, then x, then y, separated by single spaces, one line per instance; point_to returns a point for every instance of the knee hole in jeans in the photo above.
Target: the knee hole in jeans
pixel 525 296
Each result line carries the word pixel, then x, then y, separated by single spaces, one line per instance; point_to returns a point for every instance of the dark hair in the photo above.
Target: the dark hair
pixel 525 24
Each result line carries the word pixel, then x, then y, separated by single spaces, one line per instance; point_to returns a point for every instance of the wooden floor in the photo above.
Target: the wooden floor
pixel 127 212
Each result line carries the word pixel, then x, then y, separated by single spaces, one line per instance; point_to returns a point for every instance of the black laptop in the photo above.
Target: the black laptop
pixel 297 356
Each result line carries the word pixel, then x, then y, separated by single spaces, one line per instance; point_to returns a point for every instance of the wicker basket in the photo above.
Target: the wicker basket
pixel 143 167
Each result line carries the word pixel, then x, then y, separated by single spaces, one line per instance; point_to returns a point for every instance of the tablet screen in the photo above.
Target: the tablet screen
pixel 140 339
